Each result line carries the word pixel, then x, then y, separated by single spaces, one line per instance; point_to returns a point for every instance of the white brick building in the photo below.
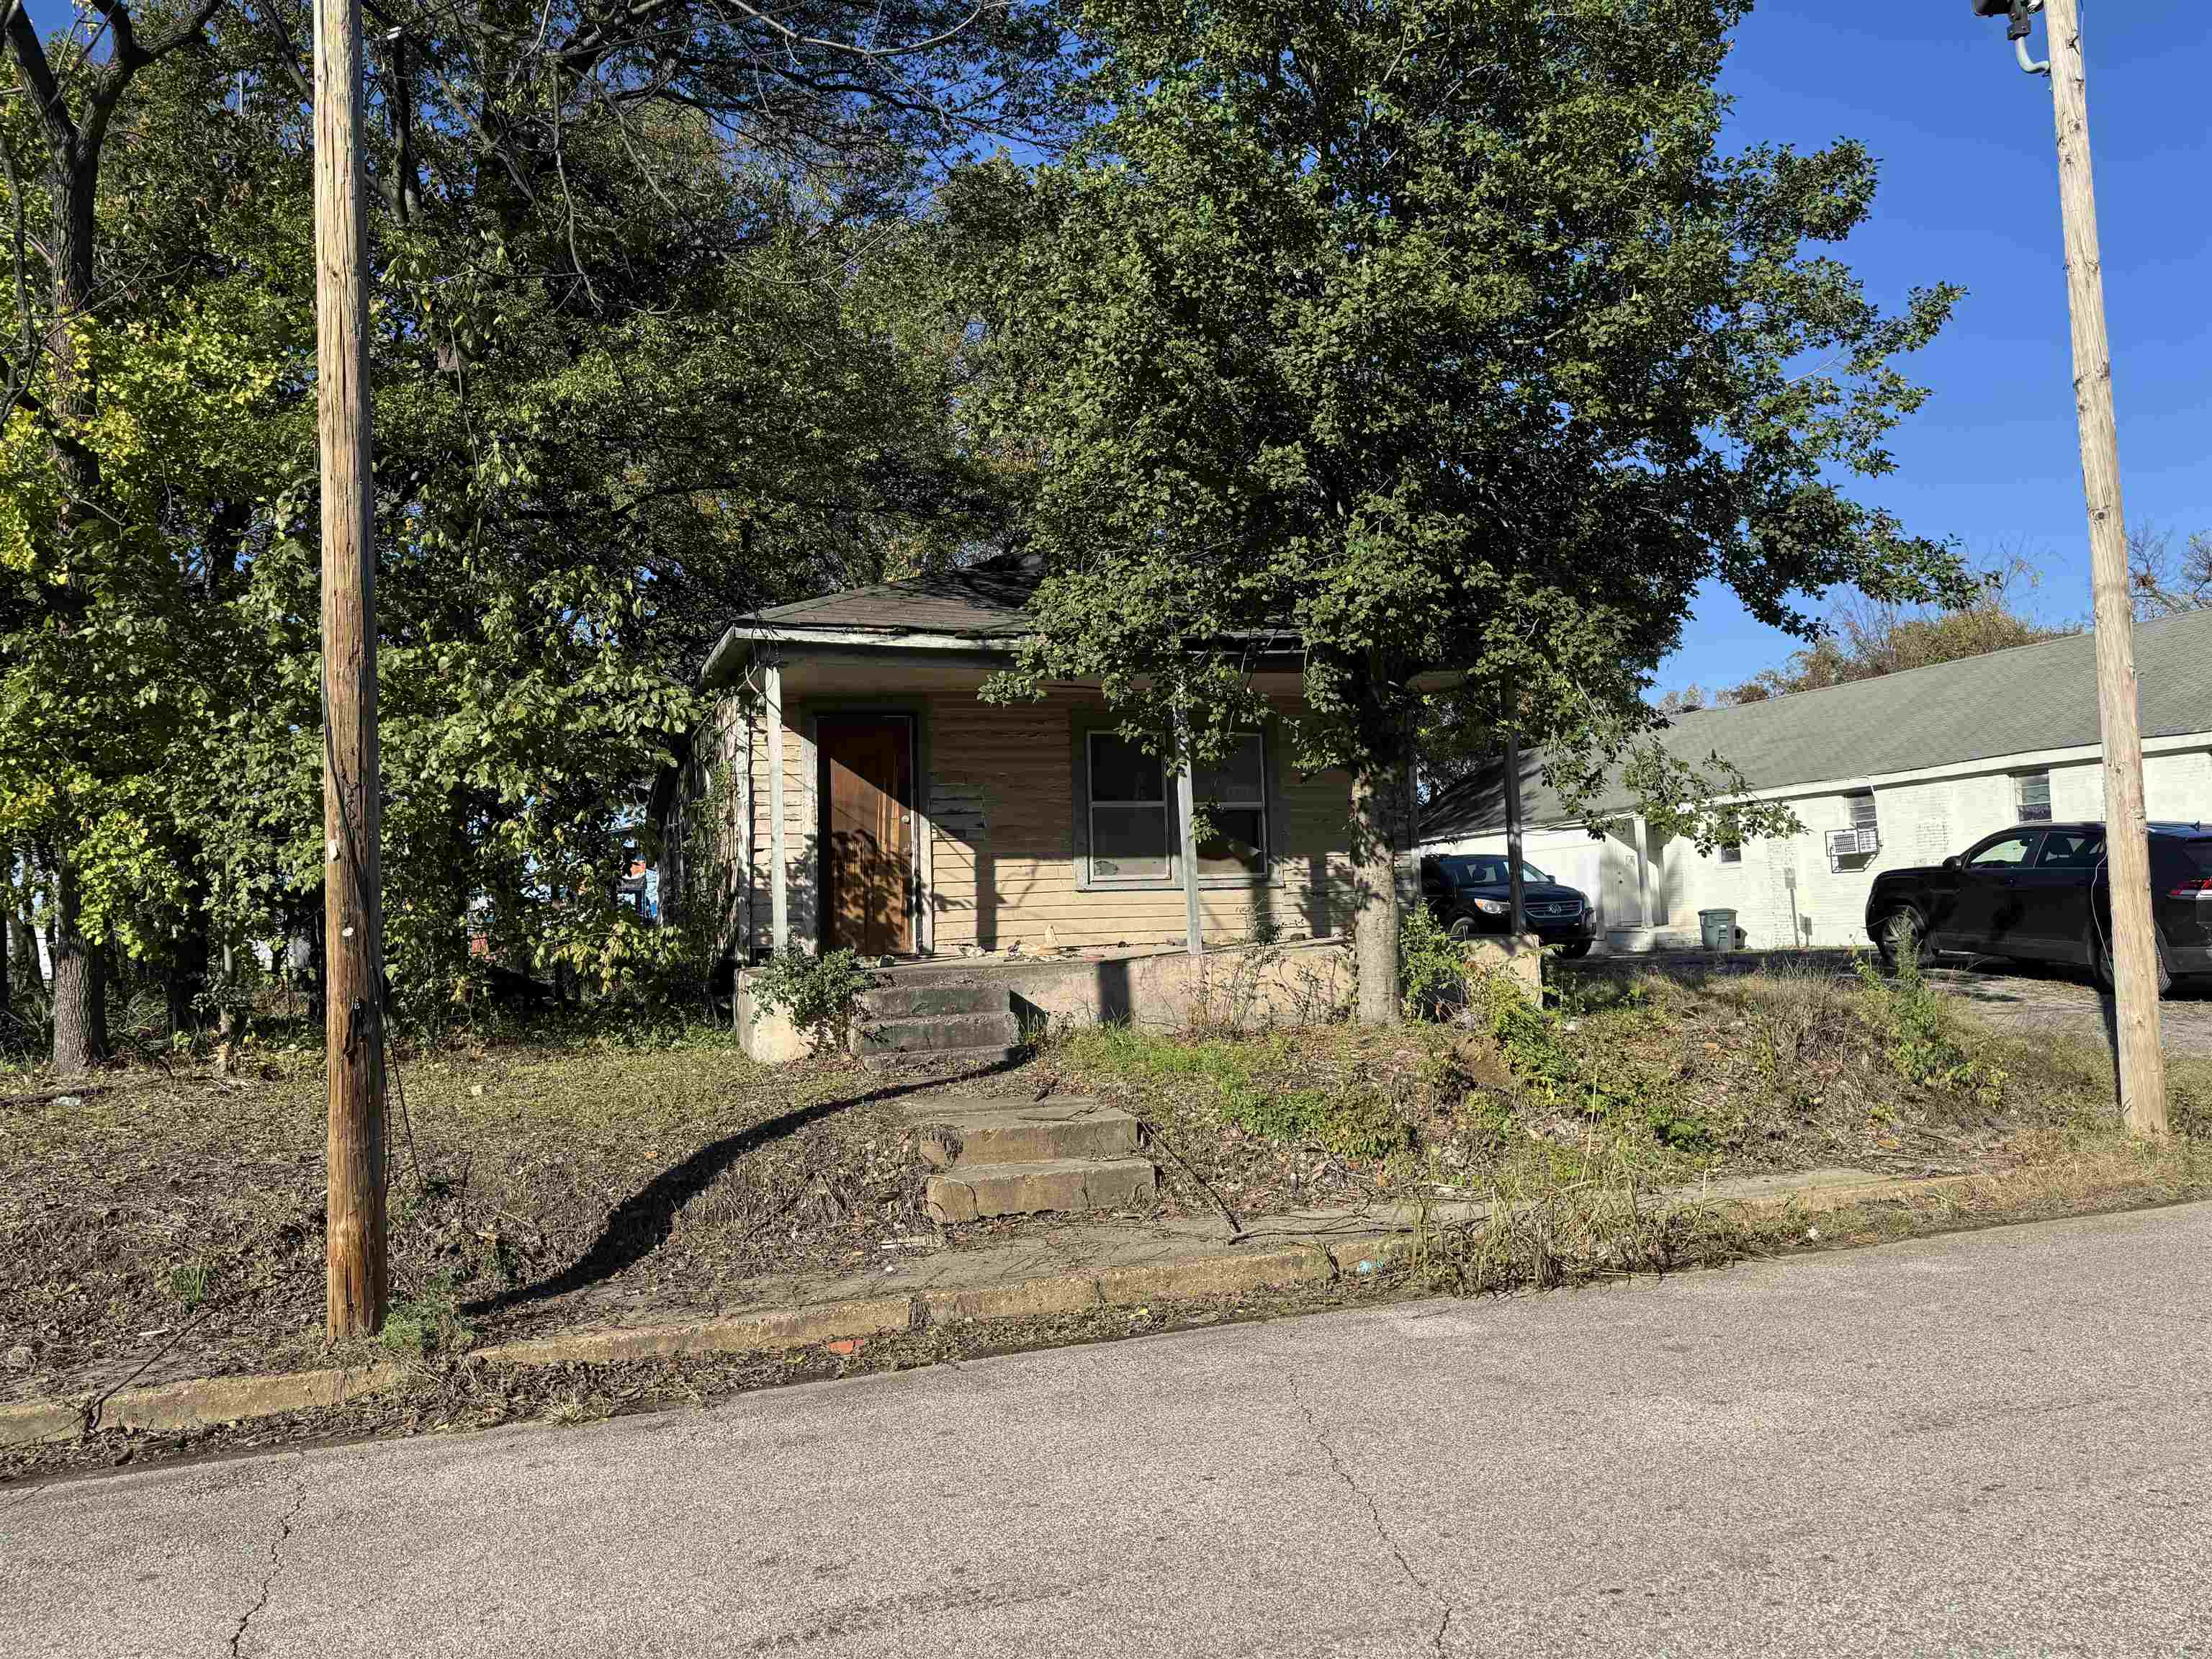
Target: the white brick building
pixel 1930 761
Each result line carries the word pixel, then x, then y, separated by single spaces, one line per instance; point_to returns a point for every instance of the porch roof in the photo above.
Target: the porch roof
pixel 979 611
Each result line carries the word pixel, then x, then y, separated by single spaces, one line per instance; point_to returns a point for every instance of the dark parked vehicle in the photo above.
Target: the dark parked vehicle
pixel 1471 893
pixel 2039 892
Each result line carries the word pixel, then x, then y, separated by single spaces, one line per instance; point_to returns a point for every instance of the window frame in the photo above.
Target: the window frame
pixel 1730 854
pixel 1091 803
pixel 2033 837
pixel 2020 804
pixel 1241 875
pixel 1088 723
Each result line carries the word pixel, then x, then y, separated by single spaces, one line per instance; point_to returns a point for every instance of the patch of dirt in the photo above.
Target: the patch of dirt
pixel 174 1221
pixel 2103 1176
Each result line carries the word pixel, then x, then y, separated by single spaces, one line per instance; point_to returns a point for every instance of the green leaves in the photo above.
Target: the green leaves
pixel 1441 334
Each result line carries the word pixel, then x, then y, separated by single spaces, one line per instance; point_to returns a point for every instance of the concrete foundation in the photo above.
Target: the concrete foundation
pixel 1302 983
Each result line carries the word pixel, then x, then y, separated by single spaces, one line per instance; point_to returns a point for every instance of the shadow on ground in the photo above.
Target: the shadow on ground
pixel 641 1223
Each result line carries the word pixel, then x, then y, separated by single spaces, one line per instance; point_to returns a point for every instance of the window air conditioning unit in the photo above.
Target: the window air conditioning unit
pixel 1852 843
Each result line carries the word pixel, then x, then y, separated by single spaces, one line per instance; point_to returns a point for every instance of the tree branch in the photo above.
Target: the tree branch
pixel 37 75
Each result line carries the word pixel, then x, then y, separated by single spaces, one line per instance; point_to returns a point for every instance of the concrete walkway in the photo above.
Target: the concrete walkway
pixel 1993 1443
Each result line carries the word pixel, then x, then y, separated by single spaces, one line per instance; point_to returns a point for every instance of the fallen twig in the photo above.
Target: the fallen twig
pixel 1152 1133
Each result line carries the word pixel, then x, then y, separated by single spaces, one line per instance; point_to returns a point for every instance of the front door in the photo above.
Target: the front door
pixel 868 833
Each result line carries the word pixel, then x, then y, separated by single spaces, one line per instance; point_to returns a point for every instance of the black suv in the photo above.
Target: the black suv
pixel 1471 893
pixel 2039 892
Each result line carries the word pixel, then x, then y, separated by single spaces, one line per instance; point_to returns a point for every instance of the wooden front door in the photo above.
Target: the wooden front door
pixel 868 829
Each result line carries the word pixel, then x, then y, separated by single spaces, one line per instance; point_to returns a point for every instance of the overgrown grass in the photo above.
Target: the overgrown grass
pixel 426 1323
pixel 1244 1082
pixel 1808 1063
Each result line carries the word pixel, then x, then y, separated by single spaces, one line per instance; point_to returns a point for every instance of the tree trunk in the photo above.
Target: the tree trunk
pixel 80 993
pixel 187 975
pixel 23 907
pixel 230 1022
pixel 1375 792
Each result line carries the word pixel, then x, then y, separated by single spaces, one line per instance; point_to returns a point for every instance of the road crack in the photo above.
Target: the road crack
pixel 276 1561
pixel 1375 1513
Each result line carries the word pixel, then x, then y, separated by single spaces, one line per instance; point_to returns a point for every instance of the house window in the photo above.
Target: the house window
pixel 1732 854
pixel 1131 825
pixel 1861 805
pixel 2031 790
pixel 1233 797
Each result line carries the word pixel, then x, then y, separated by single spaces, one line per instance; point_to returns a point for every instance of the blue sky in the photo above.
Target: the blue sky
pixel 1969 195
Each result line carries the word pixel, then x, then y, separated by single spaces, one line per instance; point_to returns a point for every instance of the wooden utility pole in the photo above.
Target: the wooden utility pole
pixel 2135 938
pixel 352 890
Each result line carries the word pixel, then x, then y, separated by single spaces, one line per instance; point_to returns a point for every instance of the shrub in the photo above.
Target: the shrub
pixel 1432 971
pixel 821 993
pixel 1923 1045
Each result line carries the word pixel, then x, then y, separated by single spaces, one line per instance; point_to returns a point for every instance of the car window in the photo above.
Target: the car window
pixel 2189 861
pixel 2008 853
pixel 2070 849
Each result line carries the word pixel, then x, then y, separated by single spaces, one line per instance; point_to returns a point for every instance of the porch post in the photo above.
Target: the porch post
pixel 1193 922
pixel 1644 872
pixel 779 886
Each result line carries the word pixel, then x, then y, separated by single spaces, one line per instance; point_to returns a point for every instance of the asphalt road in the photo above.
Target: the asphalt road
pixel 2000 1443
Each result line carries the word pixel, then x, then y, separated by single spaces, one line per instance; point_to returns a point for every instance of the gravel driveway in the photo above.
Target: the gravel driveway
pixel 2063 999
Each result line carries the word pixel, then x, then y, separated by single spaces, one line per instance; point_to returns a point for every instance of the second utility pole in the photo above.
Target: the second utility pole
pixel 2134 945
pixel 353 919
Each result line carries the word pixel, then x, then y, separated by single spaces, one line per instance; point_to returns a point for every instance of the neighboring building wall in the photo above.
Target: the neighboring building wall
pixel 1785 892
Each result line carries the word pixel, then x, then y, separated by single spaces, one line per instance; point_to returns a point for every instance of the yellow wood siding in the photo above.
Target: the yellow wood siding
pixel 998 788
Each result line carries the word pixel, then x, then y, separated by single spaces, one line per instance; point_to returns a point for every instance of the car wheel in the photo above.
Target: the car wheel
pixel 1576 951
pixel 2101 964
pixel 1462 928
pixel 1899 929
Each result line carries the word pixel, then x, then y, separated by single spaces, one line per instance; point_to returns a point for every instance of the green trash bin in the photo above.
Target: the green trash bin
pixel 1720 929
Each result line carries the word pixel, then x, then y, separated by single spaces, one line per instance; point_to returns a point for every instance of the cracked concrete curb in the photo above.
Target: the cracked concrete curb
pixel 1305 1260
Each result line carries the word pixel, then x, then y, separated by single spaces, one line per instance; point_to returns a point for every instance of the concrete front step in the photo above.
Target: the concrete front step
pixel 951 1060
pixel 915 1034
pixel 969 1131
pixel 977 1190
pixel 903 1001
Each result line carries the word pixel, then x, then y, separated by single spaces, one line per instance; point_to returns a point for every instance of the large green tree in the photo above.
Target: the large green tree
pixel 1440 336
pixel 648 349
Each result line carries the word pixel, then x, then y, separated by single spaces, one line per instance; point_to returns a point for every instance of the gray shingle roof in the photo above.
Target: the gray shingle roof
pixel 2008 702
pixel 983 600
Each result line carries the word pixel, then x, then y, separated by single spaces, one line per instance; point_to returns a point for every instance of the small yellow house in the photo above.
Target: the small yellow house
pixel 851 790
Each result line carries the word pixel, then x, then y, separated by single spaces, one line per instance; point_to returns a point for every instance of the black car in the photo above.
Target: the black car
pixel 1471 893
pixel 2039 892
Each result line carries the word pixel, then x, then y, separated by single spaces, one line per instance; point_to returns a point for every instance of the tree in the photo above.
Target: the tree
pixel 74 93
pixel 2163 580
pixel 1429 335
pixel 650 351
pixel 1866 638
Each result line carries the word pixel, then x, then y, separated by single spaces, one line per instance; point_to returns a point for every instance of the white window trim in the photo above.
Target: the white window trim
pixel 1089 881
pixel 1165 805
pixel 1256 803
pixel 2019 803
